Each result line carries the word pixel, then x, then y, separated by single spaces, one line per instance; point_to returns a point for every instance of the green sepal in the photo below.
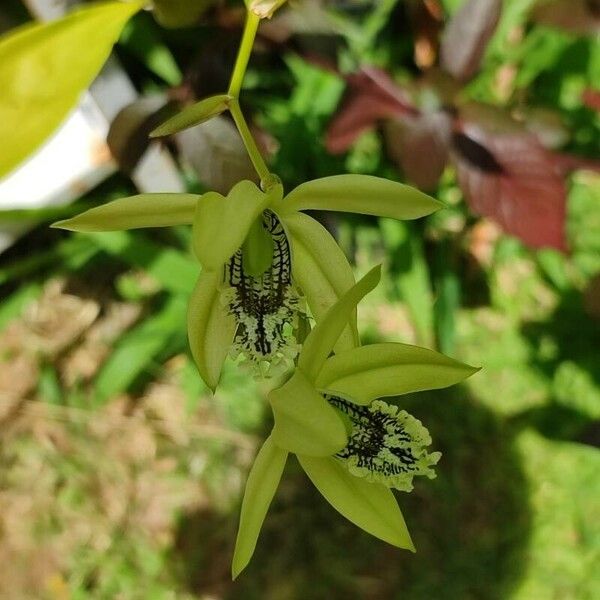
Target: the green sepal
pixel 370 506
pixel 211 328
pixel 322 339
pixel 257 249
pixel 193 115
pixel 145 210
pixel 45 67
pixel 390 369
pixel 321 270
pixel 221 224
pixel 305 423
pixel 261 486
pixel 363 194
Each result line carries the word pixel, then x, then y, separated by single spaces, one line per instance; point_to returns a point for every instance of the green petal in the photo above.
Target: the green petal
pixel 305 423
pixel 145 210
pixel 210 328
pixel 370 506
pixel 323 337
pixel 222 223
pixel 362 194
pixel 193 115
pixel 261 486
pixel 321 270
pixel 44 68
pixel 378 370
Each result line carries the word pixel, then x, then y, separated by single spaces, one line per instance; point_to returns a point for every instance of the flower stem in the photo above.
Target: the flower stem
pixel 235 86
pixel 243 56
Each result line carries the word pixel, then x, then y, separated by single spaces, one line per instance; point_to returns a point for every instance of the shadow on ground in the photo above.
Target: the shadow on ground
pixel 471 527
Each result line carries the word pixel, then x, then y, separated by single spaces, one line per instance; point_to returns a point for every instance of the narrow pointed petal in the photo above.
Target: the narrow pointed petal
pixel 321 270
pixel 134 212
pixel 304 421
pixel 379 370
pixel 363 194
pixel 370 506
pixel 261 486
pixel 193 115
pixel 322 339
pixel 210 328
pixel 221 224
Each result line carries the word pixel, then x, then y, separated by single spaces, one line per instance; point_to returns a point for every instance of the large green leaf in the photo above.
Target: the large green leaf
pixel 378 370
pixel 362 194
pixel 305 422
pixel 370 506
pixel 44 68
pixel 210 328
pixel 321 270
pixel 221 224
pixel 194 115
pixel 134 212
pixel 261 486
pixel 322 339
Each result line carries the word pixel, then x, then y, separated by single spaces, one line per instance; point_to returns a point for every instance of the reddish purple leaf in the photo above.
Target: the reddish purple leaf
pixel 591 98
pixel 371 97
pixel 467 35
pixel 512 179
pixel 578 16
pixel 420 146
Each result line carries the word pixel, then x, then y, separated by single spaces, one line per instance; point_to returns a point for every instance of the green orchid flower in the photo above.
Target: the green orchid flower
pixel 353 446
pixel 263 259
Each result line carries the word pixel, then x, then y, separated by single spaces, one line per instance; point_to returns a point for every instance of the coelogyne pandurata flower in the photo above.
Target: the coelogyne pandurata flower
pixel 262 259
pixel 351 445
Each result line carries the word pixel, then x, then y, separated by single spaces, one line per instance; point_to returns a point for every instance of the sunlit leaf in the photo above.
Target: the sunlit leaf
pixel 379 370
pixel 508 176
pixel 222 223
pixel 134 212
pixel 363 194
pixel 467 35
pixel 44 68
pixel 193 115
pixel 370 506
pixel 322 339
pixel 305 422
pixel 210 328
pixel 261 486
pixel 321 270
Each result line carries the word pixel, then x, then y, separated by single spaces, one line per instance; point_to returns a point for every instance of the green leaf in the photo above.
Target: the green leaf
pixel 370 506
pixel 180 13
pixel 193 115
pixel 44 68
pixel 323 337
pixel 174 270
pixel 221 224
pixel 378 370
pixel 134 212
pixel 321 270
pixel 305 423
pixel 135 350
pixel 211 328
pixel 363 194
pixel 261 486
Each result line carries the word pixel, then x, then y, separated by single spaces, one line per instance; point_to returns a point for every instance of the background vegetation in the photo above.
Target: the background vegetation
pixel 121 476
